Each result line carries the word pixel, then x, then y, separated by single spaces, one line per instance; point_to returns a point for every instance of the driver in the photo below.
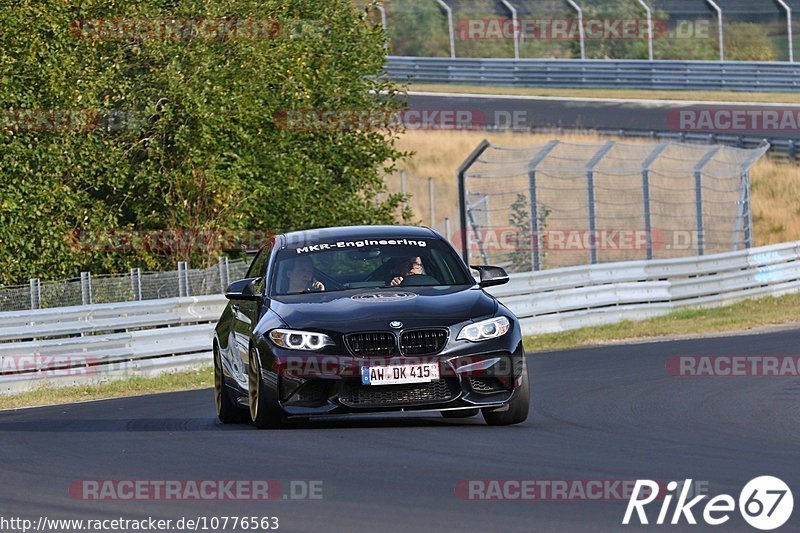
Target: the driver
pixel 409 266
pixel 301 276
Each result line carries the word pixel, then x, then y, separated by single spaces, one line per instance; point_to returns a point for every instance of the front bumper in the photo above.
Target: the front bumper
pixel 315 385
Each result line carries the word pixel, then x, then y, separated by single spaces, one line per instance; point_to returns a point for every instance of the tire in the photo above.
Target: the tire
pixel 227 411
pixel 263 414
pixel 518 407
pixel 463 413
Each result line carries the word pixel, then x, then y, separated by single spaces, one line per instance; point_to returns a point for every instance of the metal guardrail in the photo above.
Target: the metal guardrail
pixel 96 343
pixel 598 73
pixel 593 295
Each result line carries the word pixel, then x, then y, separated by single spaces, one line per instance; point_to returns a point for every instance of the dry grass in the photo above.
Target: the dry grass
pixel 775 190
pixel 632 94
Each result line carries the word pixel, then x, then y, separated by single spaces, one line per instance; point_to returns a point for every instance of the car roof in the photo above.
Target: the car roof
pixel 296 238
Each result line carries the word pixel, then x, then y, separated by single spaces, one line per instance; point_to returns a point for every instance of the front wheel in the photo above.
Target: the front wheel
pixel 263 415
pixel 518 408
pixel 227 411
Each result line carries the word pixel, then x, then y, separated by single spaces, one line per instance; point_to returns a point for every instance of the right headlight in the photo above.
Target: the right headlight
pixel 485 329
pixel 299 340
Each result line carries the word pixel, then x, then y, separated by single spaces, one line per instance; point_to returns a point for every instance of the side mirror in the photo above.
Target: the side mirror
pixel 491 275
pixel 243 289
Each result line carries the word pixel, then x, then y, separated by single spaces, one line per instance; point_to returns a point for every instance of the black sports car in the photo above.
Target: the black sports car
pixel 366 319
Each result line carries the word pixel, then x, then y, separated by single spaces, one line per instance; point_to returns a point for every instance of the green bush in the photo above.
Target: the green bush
pixel 199 147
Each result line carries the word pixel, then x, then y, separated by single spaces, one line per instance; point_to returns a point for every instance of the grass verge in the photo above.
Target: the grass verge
pixel 746 315
pixel 135 386
pixel 632 94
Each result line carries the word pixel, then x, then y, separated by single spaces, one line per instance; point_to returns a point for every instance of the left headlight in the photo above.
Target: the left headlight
pixel 299 340
pixel 485 329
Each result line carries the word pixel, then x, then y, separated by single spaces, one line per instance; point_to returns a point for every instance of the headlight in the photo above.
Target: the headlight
pixel 486 329
pixel 299 340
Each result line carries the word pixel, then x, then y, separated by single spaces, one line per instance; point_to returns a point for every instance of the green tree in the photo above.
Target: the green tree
pixel 201 145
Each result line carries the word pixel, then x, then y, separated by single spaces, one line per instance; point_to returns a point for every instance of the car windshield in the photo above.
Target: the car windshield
pixel 367 263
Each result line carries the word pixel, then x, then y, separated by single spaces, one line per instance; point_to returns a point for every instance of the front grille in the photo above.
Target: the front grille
pixel 355 394
pixel 423 341
pixel 486 385
pixel 375 343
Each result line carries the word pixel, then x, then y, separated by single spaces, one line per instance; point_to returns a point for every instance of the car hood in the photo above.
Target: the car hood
pixel 359 310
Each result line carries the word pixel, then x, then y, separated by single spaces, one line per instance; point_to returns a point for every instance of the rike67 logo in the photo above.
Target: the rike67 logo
pixel 765 503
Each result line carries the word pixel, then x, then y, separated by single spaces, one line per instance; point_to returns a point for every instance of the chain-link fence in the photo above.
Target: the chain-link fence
pixel 560 204
pixel 134 286
pixel 592 29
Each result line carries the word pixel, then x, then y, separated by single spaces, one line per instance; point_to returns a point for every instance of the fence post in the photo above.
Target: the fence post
pixel 698 198
pixel 447 228
pixel 536 234
pixel 462 194
pixel 403 188
pixel 183 279
pixel 86 288
pixel 36 293
pixel 432 199
pixel 136 284
pixel 224 273
pixel 590 198
pixel 648 229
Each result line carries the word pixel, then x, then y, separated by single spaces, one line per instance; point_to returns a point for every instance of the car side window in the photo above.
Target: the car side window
pixel 258 268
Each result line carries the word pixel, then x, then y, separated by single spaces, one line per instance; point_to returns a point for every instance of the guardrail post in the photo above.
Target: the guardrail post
pixel 224 273
pixel 36 293
pixel 536 234
pixel 648 229
pixel 136 284
pixel 183 279
pixel 590 166
pixel 86 288
pixel 462 194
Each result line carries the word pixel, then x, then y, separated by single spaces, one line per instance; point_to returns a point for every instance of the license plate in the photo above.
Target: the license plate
pixel 399 374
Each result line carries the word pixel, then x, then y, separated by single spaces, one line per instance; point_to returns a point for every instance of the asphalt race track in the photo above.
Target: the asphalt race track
pixel 610 413
pixel 587 113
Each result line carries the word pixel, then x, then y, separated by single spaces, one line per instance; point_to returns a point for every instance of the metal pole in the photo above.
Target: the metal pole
pixel 224 273
pixel 745 211
pixel 581 33
pixel 719 29
pixel 383 24
pixel 183 279
pixel 403 188
pixel 646 196
pixel 649 28
pixel 590 166
pixel 86 288
pixel 462 194
pixel 515 22
pixel 36 293
pixel 450 27
pixel 432 199
pixel 447 228
pixel 536 234
pixel 136 284
pixel 789 28
pixel 698 197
